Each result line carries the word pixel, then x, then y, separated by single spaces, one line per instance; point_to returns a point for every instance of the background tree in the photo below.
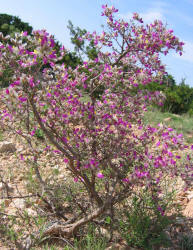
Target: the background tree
pixel 82 47
pixel 178 98
pixel 11 24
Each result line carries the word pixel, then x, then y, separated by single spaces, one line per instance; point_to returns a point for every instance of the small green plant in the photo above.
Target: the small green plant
pixel 1 136
pixel 31 182
pixel 47 247
pixel 8 233
pixel 92 240
pixel 186 242
pixel 39 134
pixel 144 223
pixel 190 112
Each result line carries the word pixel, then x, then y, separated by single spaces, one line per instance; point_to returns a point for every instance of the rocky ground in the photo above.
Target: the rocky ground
pixel 16 193
pixel 14 198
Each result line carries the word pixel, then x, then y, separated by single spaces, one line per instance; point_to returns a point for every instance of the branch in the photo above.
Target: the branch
pixel 49 136
pixel 70 229
pixel 121 56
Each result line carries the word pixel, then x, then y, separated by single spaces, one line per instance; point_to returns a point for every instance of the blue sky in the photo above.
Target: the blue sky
pixel 53 15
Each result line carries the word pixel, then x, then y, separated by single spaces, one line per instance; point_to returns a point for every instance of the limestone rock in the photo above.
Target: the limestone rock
pixel 31 212
pixel 188 211
pixel 6 146
pixel 105 233
pixel 5 190
pixel 19 203
pixel 6 187
pixel 190 196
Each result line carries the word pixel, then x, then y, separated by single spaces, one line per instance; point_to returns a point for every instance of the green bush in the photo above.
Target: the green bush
pixel 144 223
pixel 186 242
pixel 39 134
pixel 5 77
pixel 178 98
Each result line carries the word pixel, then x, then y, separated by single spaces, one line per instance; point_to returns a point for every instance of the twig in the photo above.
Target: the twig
pixel 19 197
pixel 8 215
pixel 59 238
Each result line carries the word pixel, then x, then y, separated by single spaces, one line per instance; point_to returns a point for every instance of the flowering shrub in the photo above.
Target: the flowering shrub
pixel 102 140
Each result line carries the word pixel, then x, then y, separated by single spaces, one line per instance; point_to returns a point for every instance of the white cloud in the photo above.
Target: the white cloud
pixel 148 17
pixel 156 10
pixel 188 52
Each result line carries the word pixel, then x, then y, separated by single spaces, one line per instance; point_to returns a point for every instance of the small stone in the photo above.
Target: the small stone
pixel 6 146
pixel 185 201
pixel 6 187
pixel 180 221
pixel 31 212
pixel 190 196
pixel 105 233
pixel 167 119
pixel 19 203
pixel 182 194
pixel 188 211
pixel 20 149
pixel 63 177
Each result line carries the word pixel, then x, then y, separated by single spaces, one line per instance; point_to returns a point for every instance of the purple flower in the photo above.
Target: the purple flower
pixel 46 148
pixel 33 132
pixel 24 33
pixel 172 162
pixel 21 157
pixel 57 151
pixel 160 210
pixel 22 99
pixel 45 61
pixel 16 83
pixel 10 48
pixel 49 95
pixel 170 154
pixel 100 175
pixel 52 43
pixel 157 144
pixel 75 179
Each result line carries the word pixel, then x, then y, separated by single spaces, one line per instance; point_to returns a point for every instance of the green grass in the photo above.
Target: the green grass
pixel 1 135
pixel 182 124
pixel 91 241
